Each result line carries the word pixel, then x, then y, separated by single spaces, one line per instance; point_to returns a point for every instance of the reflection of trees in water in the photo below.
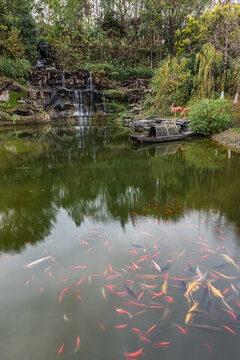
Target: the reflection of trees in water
pixel 85 175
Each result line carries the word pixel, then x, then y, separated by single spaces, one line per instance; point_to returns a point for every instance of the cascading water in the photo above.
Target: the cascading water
pixel 83 100
pixel 63 79
pixel 80 109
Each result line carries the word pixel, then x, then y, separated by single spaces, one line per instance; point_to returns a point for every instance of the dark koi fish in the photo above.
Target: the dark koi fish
pixel 130 292
pixel 205 327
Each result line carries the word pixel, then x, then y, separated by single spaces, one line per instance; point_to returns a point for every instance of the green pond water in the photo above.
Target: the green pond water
pixel 121 231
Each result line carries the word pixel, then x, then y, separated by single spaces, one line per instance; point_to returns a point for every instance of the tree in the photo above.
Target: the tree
pixel 221 27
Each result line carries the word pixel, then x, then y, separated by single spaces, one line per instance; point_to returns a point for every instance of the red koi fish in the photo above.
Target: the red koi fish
pixel 101 326
pixel 62 292
pixel 124 312
pixel 164 343
pixel 137 330
pixel 143 338
pixel 229 329
pixel 151 329
pixel 61 349
pixel 183 331
pixel 134 355
pixel 77 344
pixel 231 313
pixel 121 326
pixel 80 281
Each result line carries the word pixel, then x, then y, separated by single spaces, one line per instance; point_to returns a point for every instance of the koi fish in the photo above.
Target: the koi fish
pixel 66 318
pixel 166 267
pixel 217 293
pixel 143 338
pixel 200 276
pixel 77 344
pixel 164 288
pixel 231 313
pixel 134 355
pixel 225 276
pixel 164 343
pixel 124 312
pixel 191 288
pixel 121 326
pixel 230 260
pixel 151 329
pixel 190 312
pixel 80 281
pixel 140 296
pixel 61 349
pixel 156 266
pixel 130 292
pixel 183 331
pixel 62 292
pixel 205 327
pixel 102 326
pixel 38 261
pixel 229 329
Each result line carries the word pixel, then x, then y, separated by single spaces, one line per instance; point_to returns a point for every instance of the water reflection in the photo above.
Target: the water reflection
pixel 93 172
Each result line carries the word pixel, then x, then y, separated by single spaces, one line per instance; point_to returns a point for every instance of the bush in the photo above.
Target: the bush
pixel 210 116
pixel 119 73
pixel 15 69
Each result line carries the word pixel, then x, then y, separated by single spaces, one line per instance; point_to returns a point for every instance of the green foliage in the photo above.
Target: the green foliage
pixel 188 39
pixel 172 84
pixel 210 116
pixel 207 71
pixel 18 30
pixel 119 73
pixel 14 45
pixel 15 69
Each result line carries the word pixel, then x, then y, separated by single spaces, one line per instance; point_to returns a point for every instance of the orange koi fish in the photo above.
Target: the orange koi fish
pixel 77 344
pixel 61 349
pixel 229 329
pixel 134 355
pixel 80 281
pixel 191 288
pixel 164 343
pixel 190 314
pixel 62 292
pixel 183 331
pixel 124 312
pixel 151 329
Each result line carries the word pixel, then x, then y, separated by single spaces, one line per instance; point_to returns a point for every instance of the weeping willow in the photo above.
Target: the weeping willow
pixel 207 68
pixel 171 84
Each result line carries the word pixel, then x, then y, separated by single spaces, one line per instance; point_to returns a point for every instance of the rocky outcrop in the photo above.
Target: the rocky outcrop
pixel 52 78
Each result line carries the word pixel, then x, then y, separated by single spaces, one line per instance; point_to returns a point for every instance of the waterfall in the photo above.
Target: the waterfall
pixel 83 100
pixel 63 79
pixel 90 82
pixel 79 106
pixel 104 104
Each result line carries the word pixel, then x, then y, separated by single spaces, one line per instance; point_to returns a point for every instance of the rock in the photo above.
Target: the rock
pixel 4 96
pixel 23 110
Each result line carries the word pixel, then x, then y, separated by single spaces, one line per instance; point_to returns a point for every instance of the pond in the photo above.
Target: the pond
pixel 115 251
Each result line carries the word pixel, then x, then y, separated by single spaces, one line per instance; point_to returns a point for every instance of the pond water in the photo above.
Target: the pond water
pixel 122 233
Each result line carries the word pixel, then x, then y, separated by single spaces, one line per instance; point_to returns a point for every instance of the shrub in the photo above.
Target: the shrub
pixel 210 116
pixel 15 69
pixel 119 73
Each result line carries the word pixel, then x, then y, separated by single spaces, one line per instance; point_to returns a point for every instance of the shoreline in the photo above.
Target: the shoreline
pixel 229 138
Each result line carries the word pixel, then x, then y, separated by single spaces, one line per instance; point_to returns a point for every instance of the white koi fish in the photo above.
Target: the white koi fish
pixel 38 261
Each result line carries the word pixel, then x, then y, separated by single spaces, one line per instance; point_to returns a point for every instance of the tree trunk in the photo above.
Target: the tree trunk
pixel 236 96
